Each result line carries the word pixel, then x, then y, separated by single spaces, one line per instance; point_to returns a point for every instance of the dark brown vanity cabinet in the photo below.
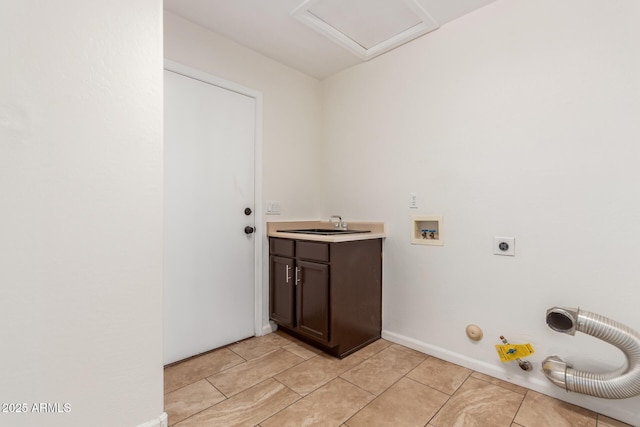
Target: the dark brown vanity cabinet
pixel 327 294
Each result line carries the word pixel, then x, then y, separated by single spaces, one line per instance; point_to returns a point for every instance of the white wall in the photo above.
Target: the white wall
pixel 291 103
pixel 80 211
pixel 518 120
pixel 291 171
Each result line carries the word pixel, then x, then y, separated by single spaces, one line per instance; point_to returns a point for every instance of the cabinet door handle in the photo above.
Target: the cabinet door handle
pixel 297 275
pixel 287 275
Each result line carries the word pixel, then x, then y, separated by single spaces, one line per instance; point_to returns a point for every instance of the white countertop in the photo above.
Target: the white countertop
pixel 376 231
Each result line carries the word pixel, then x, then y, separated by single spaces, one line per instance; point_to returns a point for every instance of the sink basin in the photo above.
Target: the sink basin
pixel 324 231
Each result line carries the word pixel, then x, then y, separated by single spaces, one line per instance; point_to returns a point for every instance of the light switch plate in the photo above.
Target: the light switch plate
pixel 504 246
pixel 413 200
pixel 272 207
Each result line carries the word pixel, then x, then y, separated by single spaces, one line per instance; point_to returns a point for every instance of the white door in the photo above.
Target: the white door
pixel 209 137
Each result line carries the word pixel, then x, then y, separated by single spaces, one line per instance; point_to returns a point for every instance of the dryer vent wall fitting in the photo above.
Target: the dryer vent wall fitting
pixel 619 384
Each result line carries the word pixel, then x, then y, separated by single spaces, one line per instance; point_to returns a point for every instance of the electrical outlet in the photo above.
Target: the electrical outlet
pixel 504 246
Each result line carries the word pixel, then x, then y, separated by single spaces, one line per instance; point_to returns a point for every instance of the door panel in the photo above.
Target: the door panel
pixel 313 300
pixel 209 142
pixel 281 291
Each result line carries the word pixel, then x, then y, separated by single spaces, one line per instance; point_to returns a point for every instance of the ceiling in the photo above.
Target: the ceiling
pixel 322 37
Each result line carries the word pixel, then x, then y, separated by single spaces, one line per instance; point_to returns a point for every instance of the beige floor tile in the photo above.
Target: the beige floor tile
pixel 499 382
pixel 191 399
pixel 406 403
pixel 259 346
pixel 248 408
pixel 316 372
pixel 330 405
pixel 373 348
pixel 301 349
pixel 409 350
pixel 610 422
pixel 258 398
pixel 285 335
pixel 380 371
pixel 241 377
pixel 443 376
pixel 200 367
pixel 540 410
pixel 479 403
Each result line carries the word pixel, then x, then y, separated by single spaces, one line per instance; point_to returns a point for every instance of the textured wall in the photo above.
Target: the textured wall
pixel 520 119
pixel 80 211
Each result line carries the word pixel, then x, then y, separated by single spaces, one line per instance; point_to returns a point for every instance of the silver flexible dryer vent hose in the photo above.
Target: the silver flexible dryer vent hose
pixel 619 384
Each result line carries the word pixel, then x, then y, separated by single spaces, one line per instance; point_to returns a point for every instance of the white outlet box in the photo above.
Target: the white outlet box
pixel 426 230
pixel 504 246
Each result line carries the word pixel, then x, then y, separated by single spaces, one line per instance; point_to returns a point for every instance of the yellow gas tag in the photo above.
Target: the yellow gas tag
pixel 508 352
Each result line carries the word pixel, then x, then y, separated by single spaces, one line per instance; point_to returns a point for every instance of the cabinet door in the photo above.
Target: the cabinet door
pixel 281 290
pixel 313 300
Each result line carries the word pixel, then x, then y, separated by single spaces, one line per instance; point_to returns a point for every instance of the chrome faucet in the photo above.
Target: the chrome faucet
pixel 338 225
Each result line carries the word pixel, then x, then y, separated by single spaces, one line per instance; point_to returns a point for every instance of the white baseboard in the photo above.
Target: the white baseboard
pixel 533 380
pixel 458 359
pixel 268 328
pixel 162 421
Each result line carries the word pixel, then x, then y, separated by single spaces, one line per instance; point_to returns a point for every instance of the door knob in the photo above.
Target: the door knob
pixel 248 229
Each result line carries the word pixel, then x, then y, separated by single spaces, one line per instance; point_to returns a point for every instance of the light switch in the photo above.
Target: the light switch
pixel 272 207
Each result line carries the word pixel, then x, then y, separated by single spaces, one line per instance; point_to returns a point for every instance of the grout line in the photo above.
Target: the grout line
pixel 303 359
pixel 448 399
pixel 375 396
pixel 300 397
pixel 220 391
pixel 513 421
pixel 439 409
pixel 206 376
pixel 205 409
pixel 286 386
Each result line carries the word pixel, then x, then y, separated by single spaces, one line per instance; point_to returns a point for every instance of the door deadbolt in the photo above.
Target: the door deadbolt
pixel 247 211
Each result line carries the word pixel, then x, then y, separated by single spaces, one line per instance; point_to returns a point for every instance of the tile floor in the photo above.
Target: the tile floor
pixel 276 380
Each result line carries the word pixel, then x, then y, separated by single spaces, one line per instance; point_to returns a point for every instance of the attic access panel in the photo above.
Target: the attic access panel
pixel 367 28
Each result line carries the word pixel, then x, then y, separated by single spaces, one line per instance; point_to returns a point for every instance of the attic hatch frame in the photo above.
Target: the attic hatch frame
pixel 426 25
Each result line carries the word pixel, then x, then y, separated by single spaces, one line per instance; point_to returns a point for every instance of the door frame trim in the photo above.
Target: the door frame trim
pixel 257 177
